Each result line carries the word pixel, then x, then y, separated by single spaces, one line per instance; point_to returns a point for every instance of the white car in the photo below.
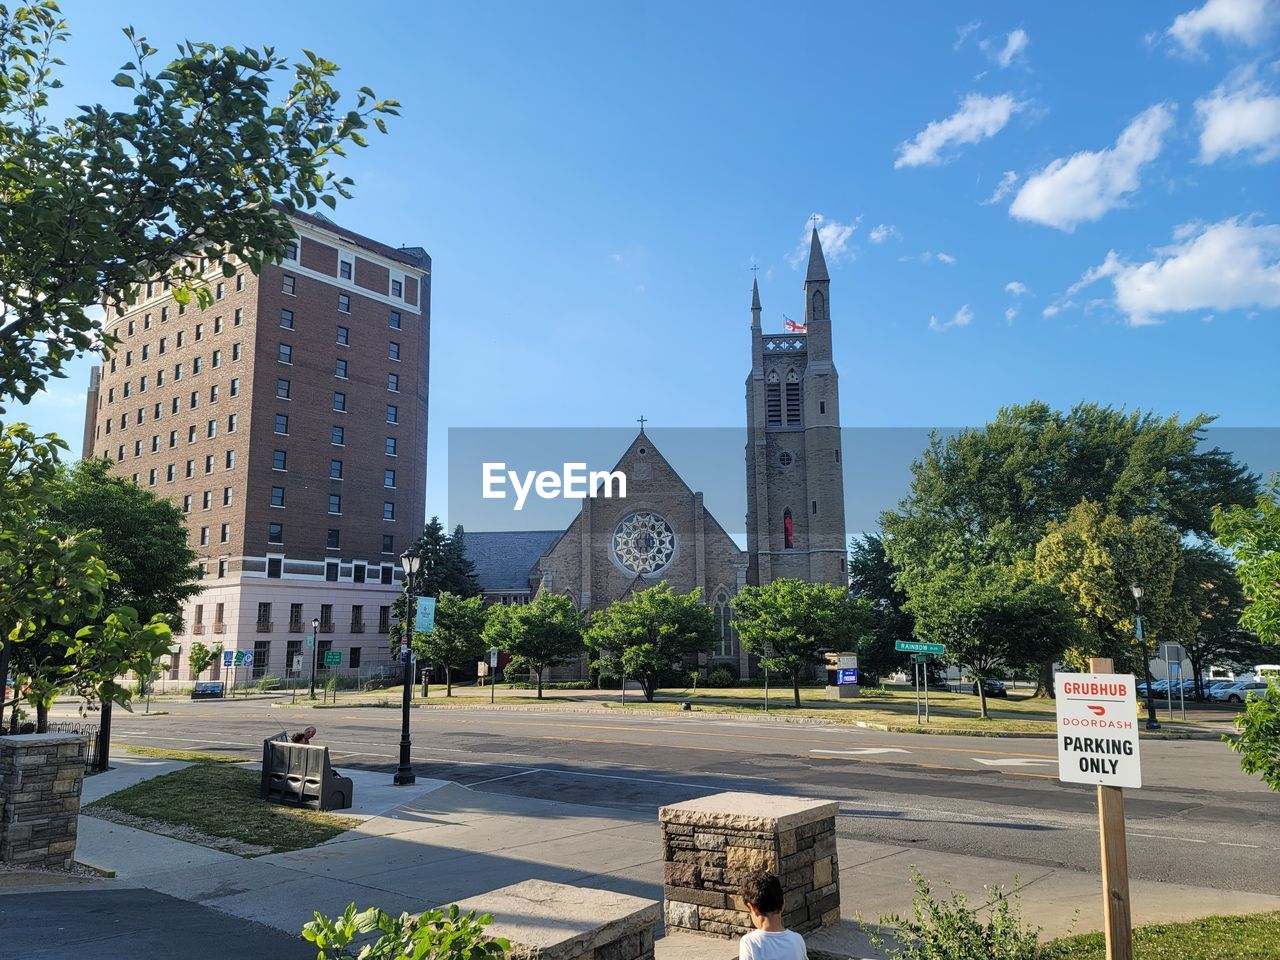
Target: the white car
pixel 1238 692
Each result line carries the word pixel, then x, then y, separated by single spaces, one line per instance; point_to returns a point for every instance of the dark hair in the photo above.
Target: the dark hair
pixel 763 891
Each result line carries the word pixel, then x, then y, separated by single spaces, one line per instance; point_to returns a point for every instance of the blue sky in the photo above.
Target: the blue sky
pixel 1062 202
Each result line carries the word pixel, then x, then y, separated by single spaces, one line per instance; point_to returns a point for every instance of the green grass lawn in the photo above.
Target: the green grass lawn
pixel 1255 937
pixel 212 800
pixel 187 756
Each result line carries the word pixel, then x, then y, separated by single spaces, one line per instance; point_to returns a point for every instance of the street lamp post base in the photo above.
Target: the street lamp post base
pixel 404 778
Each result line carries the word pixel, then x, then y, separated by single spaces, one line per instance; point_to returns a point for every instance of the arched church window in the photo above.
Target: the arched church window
pixel 788 534
pixel 773 394
pixel 726 636
pixel 819 305
pixel 643 542
pixel 793 397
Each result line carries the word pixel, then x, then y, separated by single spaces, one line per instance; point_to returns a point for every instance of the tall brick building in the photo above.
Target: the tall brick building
pixel 662 530
pixel 289 422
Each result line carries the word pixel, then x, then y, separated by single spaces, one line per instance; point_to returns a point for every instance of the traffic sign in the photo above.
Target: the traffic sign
pixel 248 658
pixel 228 657
pixel 912 646
pixel 920 657
pixel 239 661
pixel 333 658
pixel 1098 729
pixel 425 620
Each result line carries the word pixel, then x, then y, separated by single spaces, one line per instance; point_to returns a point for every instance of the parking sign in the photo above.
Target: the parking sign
pixel 1098 729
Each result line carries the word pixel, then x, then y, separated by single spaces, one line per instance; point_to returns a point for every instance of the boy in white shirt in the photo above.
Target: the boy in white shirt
pixel 770 940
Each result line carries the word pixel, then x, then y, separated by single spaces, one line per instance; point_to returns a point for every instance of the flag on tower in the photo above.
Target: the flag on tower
pixel 792 327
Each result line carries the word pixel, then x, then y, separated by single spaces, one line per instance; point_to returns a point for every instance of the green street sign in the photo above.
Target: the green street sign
pixel 911 646
pixel 239 661
pixel 333 658
pixel 920 657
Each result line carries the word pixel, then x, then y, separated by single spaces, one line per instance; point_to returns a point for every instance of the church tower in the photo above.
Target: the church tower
pixel 795 480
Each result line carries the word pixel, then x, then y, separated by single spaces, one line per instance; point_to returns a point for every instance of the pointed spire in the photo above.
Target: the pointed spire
pixel 817 262
pixel 755 294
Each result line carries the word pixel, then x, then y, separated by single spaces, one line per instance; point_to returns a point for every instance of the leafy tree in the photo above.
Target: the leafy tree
pixel 443 568
pixel 458 637
pixel 986 496
pixel 991 617
pixel 1094 558
pixel 873 579
pixel 202 166
pixel 790 624
pixel 538 635
pixel 1258 742
pixel 202 658
pixel 1252 533
pixel 1207 583
pixel 648 636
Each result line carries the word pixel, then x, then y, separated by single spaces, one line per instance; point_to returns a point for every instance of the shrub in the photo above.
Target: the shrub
pixel 439 934
pixel 952 930
pixel 721 677
pixel 1258 742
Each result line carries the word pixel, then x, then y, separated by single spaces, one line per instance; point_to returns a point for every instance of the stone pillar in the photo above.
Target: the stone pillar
pixel 552 921
pixel 40 779
pixel 710 843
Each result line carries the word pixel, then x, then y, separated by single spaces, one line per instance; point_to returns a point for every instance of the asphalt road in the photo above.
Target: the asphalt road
pixel 1197 820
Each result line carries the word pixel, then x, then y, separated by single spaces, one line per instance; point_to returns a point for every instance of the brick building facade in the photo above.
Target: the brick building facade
pixel 288 420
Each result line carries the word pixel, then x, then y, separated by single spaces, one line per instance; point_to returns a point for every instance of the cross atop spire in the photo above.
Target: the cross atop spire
pixel 817 262
pixel 642 420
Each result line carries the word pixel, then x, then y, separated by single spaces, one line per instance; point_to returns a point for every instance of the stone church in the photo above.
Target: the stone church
pixel 662 529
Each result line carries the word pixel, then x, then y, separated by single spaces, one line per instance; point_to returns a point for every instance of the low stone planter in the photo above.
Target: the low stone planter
pixel 41 775
pixel 552 921
pixel 710 843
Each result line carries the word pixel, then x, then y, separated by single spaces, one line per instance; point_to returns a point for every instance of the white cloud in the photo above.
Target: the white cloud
pixel 1244 21
pixel 1222 266
pixel 835 237
pixel 977 119
pixel 1016 287
pixel 1240 116
pixel 1083 187
pixel 1010 313
pixel 883 232
pixel 963 317
pixel 1014 44
pixel 1003 188
pixel 946 258
pixel 964 32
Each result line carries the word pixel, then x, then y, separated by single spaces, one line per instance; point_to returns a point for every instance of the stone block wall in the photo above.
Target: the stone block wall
pixel 711 843
pixel 40 779
pixel 552 921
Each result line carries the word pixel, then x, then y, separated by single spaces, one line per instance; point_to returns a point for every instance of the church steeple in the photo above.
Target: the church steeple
pixel 817 303
pixel 817 262
pixel 755 304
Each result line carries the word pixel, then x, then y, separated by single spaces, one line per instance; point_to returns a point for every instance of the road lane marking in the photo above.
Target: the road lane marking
pixel 1156 836
pixel 1012 761
pixel 861 752
pixel 520 773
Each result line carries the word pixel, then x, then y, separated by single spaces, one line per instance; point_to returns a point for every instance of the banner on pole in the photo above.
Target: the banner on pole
pixel 424 620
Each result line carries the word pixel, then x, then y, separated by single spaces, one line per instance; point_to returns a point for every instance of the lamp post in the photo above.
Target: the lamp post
pixel 315 645
pixel 1152 722
pixel 410 563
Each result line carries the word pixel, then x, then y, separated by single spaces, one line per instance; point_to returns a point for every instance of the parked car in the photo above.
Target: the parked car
pixel 991 687
pixel 1238 692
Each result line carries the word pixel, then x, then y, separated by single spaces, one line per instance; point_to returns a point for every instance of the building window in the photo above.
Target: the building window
pixel 199 332
pixel 295 617
pixel 235 322
pixel 393 351
pixel 231 459
pixel 793 398
pixel 336 435
pixel 222 569
pixel 388 510
pixel 220 291
pixel 217 324
pixel 206 500
pixel 204 536
pixel 235 350
pixel 814 509
pixel 195 399
pixel 151 477
pixel 358 573
pixel 773 398
pixel 173 438
pixel 275 566
pixel 282 389
pixel 289 285
pixel 212 429
pixel 226 496
pixel 226 533
pixel 386 573
pixel 393 413
pixel 208 463
pixel 393 382
pixel 788 530
pixel 340 369
pixel 724 643
pixel 344 303
pixel 191 469
pixel 264 617
pixel 235 386
pixel 282 424
pixel 353 657
pixel 333 539
pixel 291 250
pixel 397 289
pixel 169 473
pixel 389 479
pixel 186 503
pixel 335 503
pixel 388 543
pixel 384 619
pixel 278 460
pixel 331 571
pixel 326 616
pixel 239 282
pixel 344 336
pixel 340 402
pixel 277 496
pixel 395 319
pixel 231 422
pixel 275 533
pixel 391 446
pixel 357 616
pixel 335 469
pixel 217 358
pixel 286 319
pixel 285 353
pixel 195 365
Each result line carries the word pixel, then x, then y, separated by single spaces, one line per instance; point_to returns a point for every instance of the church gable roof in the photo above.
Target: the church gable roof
pixel 504 560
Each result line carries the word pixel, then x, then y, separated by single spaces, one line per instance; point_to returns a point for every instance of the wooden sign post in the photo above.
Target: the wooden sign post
pixel 1097 725
pixel 1117 914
